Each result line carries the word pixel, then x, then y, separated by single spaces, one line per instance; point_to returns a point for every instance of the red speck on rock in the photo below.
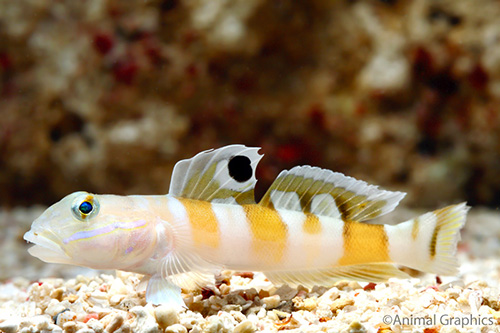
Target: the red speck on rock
pixel 139 34
pixel 431 287
pixel 190 36
pixel 370 286
pixel 245 82
pixel 289 153
pixel 360 109
pixel 248 275
pixel 125 71
pixel 192 70
pixel 317 116
pixel 40 283
pixel 103 42
pixel 478 78
pixel 206 293
pixel 428 114
pixel 89 316
pixel 114 11
pixel 5 61
pixel 423 65
pixel 153 51
pixel 463 247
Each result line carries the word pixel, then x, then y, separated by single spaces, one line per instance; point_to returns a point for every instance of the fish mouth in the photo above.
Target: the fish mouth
pixel 45 248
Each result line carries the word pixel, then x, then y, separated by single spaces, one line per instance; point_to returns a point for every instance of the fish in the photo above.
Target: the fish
pixel 308 229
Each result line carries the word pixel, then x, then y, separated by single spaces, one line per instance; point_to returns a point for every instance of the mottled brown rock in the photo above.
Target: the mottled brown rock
pixel 401 94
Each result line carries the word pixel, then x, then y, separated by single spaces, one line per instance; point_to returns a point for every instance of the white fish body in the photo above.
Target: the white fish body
pixel 306 230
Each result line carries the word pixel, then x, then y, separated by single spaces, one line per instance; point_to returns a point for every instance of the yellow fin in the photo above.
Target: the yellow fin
pixel 224 175
pixel 434 236
pixel 374 272
pixel 324 192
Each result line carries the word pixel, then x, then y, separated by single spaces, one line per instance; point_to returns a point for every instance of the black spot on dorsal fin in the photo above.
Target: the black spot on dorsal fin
pixel 240 168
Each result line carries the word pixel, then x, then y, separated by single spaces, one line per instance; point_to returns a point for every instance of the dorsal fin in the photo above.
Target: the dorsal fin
pixel 324 192
pixel 225 175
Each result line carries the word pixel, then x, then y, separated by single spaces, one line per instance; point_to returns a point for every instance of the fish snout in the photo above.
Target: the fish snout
pixel 46 247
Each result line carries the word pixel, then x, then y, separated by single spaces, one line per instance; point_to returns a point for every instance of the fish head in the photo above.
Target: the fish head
pixel 96 231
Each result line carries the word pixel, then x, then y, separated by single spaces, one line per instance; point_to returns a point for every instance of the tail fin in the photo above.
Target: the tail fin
pixel 429 242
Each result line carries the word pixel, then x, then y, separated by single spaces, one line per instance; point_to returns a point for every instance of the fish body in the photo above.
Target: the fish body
pixel 308 229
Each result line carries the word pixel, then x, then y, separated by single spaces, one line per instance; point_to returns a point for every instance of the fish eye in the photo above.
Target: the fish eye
pixel 85 206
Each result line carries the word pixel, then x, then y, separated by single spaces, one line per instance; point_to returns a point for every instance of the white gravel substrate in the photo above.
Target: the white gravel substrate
pixel 248 302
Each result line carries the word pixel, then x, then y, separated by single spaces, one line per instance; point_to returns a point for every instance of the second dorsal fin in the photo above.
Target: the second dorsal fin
pixel 327 193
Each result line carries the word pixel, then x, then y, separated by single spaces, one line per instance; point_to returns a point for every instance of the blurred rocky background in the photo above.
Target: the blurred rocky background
pixel 106 95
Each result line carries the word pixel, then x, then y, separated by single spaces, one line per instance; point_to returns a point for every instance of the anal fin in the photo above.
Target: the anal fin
pixel 374 272
pixel 193 280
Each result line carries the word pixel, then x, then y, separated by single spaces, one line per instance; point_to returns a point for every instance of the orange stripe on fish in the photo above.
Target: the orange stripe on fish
pixel 204 225
pixel 312 229
pixel 312 225
pixel 364 243
pixel 269 233
pixel 414 228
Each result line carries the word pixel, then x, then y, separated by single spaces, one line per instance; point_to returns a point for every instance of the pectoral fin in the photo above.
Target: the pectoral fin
pixel 185 268
pixel 162 291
